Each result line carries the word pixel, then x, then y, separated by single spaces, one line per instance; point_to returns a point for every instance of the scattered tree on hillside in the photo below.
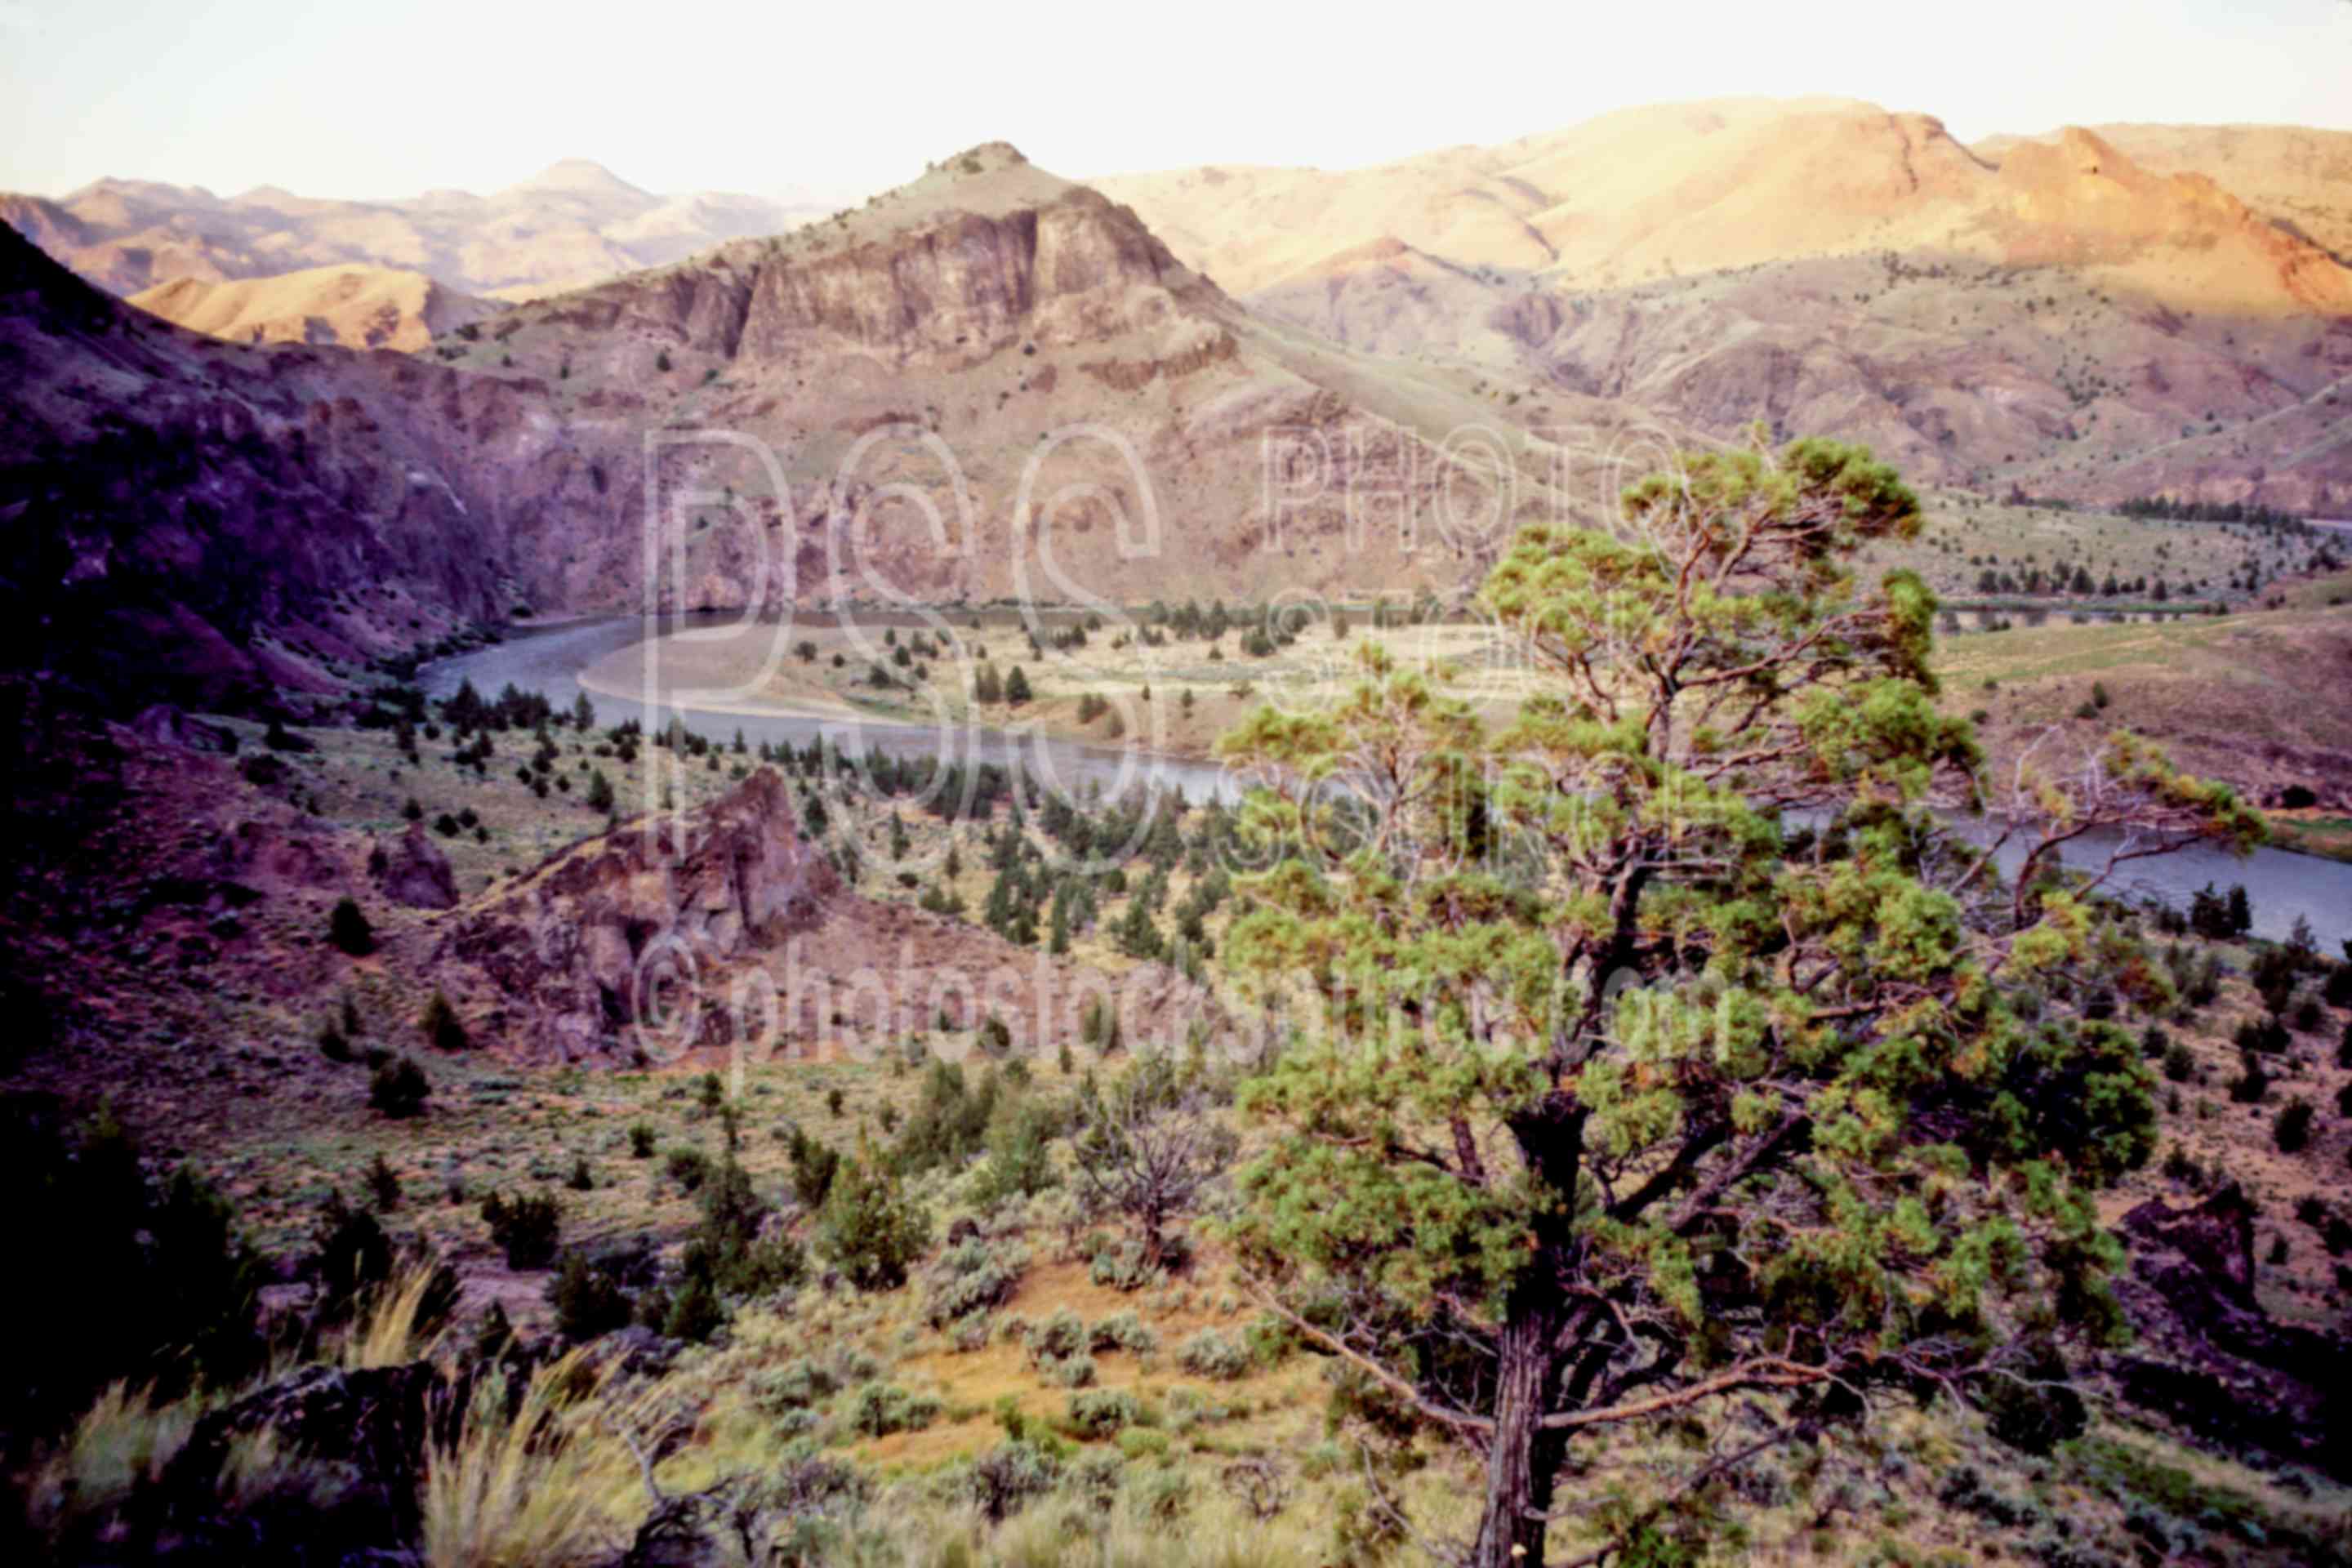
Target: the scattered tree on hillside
pixel 1146 1148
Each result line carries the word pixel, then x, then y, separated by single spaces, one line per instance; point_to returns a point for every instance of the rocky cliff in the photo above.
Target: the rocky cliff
pixel 727 929
pixel 571 960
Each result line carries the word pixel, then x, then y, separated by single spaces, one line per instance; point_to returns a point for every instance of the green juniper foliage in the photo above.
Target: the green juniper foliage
pixel 1658 1050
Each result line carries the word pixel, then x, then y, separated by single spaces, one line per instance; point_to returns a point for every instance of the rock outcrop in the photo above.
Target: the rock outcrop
pixel 573 958
pixel 412 871
pixel 2208 1356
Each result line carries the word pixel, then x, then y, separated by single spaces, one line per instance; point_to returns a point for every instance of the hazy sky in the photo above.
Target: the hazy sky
pixel 346 99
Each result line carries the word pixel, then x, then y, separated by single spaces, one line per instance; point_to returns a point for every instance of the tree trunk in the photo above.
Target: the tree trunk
pixel 1522 1457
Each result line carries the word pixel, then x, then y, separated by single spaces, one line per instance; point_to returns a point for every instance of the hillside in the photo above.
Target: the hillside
pixel 184 513
pixel 358 307
pixel 573 222
pixel 2054 314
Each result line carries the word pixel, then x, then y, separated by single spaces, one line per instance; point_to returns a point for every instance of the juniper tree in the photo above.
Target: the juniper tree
pixel 1656 1050
pixel 1148 1148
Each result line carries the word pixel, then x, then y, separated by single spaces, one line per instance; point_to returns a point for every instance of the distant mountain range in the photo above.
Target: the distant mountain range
pixel 2092 313
pixel 574 223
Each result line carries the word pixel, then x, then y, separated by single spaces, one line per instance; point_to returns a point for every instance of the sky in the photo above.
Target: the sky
pixel 840 99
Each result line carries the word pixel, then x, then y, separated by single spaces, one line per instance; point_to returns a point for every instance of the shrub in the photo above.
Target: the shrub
pixel 2292 1129
pixel 2253 1081
pixel 641 1142
pixel 589 1301
pixel 1062 1335
pixel 1069 1371
pixel 2179 1065
pixel 1142 1443
pixel 525 1229
pixel 695 1312
pixel 2038 1411
pixel 795 1386
pixel 399 1089
pixel 1100 1412
pixel 1008 1477
pixel 1162 1493
pixel 1120 1265
pixel 870 1229
pixel 879 1409
pixel 1093 1479
pixel 441 1025
pixel 348 930
pixel 814 1167
pixel 1123 1331
pixel 1019 1164
pixel 383 1185
pixel 727 1251
pixel 1208 1353
pixel 689 1168
pixel 972 1277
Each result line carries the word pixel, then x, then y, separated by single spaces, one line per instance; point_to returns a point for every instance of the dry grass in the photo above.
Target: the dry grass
pixel 388 1333
pixel 552 1484
pixel 121 1442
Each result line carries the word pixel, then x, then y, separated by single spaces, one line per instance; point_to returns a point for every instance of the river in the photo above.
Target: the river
pixel 549 660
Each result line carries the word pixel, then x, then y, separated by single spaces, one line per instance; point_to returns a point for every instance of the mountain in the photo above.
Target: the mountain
pixel 2295 177
pixel 358 307
pixel 2052 314
pixel 1654 191
pixel 574 222
pixel 930 344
